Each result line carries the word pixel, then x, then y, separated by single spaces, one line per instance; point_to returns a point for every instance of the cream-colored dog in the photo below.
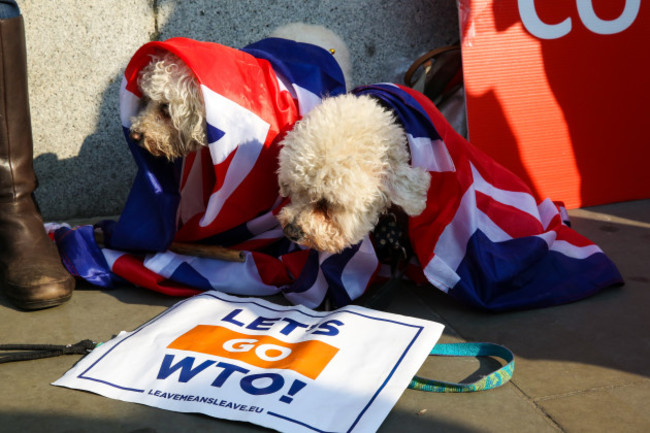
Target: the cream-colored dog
pixel 344 165
pixel 171 118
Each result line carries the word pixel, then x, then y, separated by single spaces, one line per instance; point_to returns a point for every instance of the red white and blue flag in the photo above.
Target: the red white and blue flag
pixel 483 238
pixel 227 193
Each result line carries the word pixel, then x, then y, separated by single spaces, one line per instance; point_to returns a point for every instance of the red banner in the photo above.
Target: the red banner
pixel 557 91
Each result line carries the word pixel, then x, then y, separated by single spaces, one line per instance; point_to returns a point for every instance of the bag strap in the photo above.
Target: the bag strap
pixel 430 55
pixel 493 380
pixel 438 74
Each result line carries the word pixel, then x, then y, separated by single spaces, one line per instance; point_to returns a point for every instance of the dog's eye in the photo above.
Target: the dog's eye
pixel 322 206
pixel 164 110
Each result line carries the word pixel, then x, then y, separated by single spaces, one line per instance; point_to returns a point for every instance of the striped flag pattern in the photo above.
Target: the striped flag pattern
pixel 483 238
pixel 227 193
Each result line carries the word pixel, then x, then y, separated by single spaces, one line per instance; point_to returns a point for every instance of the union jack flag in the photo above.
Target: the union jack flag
pixel 227 193
pixel 483 238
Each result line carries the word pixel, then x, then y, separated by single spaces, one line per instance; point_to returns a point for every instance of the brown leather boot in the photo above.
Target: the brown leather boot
pixel 31 273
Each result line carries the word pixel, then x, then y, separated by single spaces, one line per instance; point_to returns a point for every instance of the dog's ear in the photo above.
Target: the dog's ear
pixel 407 187
pixel 192 117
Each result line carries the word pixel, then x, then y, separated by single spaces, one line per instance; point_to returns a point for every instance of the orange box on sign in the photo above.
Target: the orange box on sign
pixel 308 358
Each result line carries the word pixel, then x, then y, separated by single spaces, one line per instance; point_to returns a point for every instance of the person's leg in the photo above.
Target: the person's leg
pixel 31 273
pixel 8 9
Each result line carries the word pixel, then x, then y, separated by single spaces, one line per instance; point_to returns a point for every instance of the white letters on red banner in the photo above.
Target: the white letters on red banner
pixel 542 30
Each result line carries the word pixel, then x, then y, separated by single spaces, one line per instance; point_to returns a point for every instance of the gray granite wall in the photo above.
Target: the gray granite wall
pixel 77 51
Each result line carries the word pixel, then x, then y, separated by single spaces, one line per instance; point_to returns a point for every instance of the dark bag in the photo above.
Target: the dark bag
pixel 439 75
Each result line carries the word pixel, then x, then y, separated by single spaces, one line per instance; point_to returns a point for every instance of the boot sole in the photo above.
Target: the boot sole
pixel 67 285
pixel 39 305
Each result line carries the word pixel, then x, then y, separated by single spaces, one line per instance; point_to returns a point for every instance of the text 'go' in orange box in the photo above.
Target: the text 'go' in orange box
pixel 308 358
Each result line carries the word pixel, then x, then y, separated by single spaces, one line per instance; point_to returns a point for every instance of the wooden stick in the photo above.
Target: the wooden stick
pixel 196 250
pixel 208 251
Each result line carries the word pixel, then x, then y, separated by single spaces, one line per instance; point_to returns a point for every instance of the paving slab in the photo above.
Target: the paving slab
pixel 580 358
pixel 610 409
pixel 29 403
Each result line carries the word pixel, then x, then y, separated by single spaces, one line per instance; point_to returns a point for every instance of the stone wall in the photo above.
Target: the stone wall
pixel 77 51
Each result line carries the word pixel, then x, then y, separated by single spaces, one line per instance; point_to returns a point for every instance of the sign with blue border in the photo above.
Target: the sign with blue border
pixel 288 368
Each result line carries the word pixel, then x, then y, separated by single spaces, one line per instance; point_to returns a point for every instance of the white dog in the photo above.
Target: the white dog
pixel 343 166
pixel 171 119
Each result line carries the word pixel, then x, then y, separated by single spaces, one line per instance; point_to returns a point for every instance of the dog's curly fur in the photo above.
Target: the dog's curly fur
pixel 343 165
pixel 171 119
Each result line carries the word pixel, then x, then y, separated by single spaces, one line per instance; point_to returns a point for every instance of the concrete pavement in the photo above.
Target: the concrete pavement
pixel 581 367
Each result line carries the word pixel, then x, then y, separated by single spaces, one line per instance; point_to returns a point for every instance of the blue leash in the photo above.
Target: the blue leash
pixel 492 380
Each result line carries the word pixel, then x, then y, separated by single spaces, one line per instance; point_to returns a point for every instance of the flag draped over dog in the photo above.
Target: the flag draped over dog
pixel 227 193
pixel 482 239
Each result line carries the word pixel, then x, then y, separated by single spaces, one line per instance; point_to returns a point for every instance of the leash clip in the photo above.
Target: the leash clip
pixel 28 352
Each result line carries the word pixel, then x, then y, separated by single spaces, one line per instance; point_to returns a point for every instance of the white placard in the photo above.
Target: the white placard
pixel 284 367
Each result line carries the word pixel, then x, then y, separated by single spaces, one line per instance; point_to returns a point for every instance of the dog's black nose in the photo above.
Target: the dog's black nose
pixel 293 232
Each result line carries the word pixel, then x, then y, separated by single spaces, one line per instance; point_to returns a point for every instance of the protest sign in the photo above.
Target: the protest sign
pixel 556 92
pixel 284 367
